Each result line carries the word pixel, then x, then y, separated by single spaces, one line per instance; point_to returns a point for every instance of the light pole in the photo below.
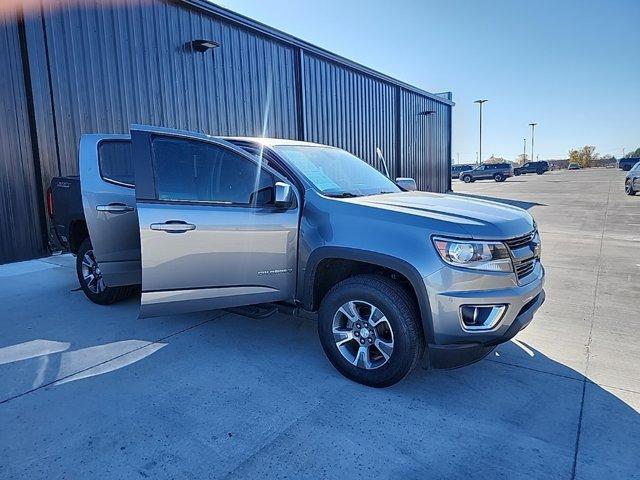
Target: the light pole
pixel 480 102
pixel 533 127
pixel 524 152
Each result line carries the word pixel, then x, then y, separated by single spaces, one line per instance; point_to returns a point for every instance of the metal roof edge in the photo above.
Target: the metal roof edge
pixel 281 36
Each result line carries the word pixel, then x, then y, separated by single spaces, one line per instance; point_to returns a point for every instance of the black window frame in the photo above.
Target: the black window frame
pixel 212 203
pixel 99 159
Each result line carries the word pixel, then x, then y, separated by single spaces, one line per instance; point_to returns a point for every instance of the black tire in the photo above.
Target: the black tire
pixel 467 179
pixel 401 313
pixel 540 172
pixel 498 177
pixel 628 188
pixel 101 296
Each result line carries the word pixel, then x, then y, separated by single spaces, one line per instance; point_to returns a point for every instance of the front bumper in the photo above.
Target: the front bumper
pixel 452 344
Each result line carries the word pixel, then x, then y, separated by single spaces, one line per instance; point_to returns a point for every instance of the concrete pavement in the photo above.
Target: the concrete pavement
pixel 90 391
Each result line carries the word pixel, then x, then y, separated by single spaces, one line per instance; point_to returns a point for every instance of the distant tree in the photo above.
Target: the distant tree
pixel 585 157
pixel 522 159
pixel 634 154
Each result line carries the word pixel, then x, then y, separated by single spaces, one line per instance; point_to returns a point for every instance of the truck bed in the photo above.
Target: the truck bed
pixel 66 203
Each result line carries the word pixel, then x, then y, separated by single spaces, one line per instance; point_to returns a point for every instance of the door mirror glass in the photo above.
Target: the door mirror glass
pixel 283 195
pixel 406 183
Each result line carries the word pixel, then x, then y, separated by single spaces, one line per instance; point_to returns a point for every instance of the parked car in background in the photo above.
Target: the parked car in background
pixel 496 171
pixel 573 166
pixel 208 222
pixel 532 167
pixel 627 164
pixel 632 181
pixel 456 170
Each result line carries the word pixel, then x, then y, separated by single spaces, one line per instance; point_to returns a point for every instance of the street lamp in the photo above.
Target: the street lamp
pixel 480 102
pixel 533 126
pixel 524 152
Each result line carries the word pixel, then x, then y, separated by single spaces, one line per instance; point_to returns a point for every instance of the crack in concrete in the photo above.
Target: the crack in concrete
pixel 590 338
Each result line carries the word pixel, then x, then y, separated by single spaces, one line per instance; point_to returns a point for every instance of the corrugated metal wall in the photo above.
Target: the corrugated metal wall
pixel 99 69
pixel 21 234
pixel 426 140
pixel 111 67
pixel 349 110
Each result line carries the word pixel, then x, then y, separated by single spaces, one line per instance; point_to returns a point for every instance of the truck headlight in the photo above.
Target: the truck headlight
pixel 488 256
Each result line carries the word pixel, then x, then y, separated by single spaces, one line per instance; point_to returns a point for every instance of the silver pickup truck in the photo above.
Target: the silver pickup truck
pixel 396 276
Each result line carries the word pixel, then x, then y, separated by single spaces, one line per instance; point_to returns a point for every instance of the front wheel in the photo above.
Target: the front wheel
pixel 467 179
pixel 370 330
pixel 628 188
pixel 91 280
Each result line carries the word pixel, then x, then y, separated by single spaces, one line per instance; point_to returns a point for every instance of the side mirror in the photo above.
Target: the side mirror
pixel 407 183
pixel 283 195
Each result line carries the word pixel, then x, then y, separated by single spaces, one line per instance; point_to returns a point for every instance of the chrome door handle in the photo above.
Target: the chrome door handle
pixel 114 208
pixel 173 226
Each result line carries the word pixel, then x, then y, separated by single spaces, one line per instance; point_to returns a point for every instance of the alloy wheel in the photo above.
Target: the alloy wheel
pixel 91 273
pixel 363 334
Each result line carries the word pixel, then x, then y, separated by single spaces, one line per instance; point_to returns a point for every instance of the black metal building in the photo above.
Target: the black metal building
pixel 68 70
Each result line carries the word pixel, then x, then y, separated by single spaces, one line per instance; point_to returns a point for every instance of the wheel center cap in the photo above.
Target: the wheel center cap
pixel 364 333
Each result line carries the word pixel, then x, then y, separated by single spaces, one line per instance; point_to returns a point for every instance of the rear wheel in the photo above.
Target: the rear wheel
pixel 628 188
pixel 466 178
pixel 370 331
pixel 540 172
pixel 91 280
pixel 498 177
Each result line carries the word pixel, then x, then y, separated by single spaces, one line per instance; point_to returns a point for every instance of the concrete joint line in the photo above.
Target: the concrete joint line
pixel 588 346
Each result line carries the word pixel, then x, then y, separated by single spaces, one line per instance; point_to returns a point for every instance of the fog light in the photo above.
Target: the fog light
pixel 481 317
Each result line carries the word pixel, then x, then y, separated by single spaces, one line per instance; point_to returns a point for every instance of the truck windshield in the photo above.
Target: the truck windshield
pixel 336 173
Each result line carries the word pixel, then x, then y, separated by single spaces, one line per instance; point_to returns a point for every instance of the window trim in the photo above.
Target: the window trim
pixel 102 175
pixel 212 203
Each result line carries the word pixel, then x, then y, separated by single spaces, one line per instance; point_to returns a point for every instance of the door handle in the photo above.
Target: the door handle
pixel 114 208
pixel 173 226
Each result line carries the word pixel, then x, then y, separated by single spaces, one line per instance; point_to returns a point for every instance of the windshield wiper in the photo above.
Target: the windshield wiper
pixel 342 195
pixel 378 193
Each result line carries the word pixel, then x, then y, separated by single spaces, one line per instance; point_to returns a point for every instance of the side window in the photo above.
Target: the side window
pixel 203 172
pixel 116 162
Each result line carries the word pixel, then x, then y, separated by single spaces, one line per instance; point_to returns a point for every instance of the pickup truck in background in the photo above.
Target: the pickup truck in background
pixel 396 276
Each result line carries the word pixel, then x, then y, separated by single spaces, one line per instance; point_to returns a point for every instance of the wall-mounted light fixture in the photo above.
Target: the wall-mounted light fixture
pixel 204 45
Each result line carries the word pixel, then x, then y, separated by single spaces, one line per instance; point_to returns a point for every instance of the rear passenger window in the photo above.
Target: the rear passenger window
pixel 115 162
pixel 203 172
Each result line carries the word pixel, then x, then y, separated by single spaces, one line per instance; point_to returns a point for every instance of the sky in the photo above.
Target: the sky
pixel 573 67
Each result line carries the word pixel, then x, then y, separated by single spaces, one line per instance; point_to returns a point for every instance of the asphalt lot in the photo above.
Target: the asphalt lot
pixel 90 391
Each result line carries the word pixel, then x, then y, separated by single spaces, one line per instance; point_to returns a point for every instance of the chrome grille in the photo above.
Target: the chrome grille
pixel 522 267
pixel 525 268
pixel 518 242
